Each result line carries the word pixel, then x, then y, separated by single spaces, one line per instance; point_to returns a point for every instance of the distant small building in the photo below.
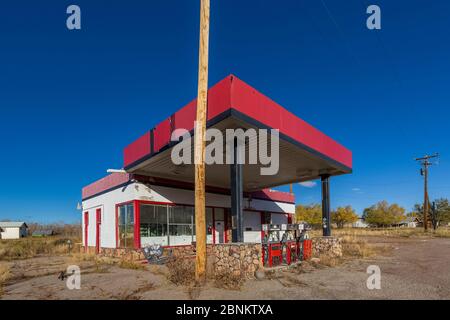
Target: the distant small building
pixel 13 230
pixel 43 233
pixel 409 222
pixel 360 223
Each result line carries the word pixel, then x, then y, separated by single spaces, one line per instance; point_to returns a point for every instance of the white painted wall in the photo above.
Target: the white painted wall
pixel 137 191
pixel 107 203
pixel 252 220
pixel 165 194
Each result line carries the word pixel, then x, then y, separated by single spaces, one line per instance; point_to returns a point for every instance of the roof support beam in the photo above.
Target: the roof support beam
pixel 236 187
pixel 326 225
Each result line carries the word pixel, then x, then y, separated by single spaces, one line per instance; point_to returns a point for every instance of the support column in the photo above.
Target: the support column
pixel 326 218
pixel 236 186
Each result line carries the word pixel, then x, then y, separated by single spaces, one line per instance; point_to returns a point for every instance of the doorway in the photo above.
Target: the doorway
pixel 86 230
pixel 98 216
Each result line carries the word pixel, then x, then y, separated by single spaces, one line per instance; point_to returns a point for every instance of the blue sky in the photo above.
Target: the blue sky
pixel 71 100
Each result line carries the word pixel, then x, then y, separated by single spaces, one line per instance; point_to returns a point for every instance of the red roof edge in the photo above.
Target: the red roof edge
pixel 233 93
pixel 274 195
pixel 109 182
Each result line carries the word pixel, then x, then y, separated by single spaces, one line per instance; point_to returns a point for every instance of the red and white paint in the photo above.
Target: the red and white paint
pixel 100 225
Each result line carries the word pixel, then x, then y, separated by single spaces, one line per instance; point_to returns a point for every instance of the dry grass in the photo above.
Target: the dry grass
pixel 62 229
pixel 80 257
pixel 356 247
pixel 101 261
pixel 30 247
pixel 228 280
pixel 181 271
pixel 133 265
pixel 443 232
pixel 326 260
pixel 353 247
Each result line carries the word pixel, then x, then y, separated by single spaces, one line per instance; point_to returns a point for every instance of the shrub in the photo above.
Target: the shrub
pixel 228 280
pixel 181 271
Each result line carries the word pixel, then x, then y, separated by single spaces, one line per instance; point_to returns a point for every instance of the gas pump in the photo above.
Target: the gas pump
pixel 282 243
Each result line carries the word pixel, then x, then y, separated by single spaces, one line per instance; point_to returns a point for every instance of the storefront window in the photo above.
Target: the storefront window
pixel 209 225
pixel 171 225
pixel 126 225
pixel 181 225
pixel 153 227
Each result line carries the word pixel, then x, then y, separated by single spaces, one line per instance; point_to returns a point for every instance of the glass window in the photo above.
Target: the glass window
pixel 209 220
pixel 172 225
pixel 181 215
pixel 153 220
pixel 181 225
pixel 126 225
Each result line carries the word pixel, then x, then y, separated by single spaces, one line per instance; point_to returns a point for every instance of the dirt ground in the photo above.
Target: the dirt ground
pixel 415 268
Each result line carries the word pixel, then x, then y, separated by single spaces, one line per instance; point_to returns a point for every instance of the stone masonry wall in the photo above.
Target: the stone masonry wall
pixel 241 259
pixel 238 258
pixel 131 254
pixel 121 253
pixel 329 246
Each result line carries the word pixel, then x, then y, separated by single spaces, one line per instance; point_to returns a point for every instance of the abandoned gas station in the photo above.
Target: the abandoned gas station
pixel 152 200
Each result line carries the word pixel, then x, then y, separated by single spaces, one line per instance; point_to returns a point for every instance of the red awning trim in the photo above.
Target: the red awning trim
pixel 117 180
pixel 109 182
pixel 231 95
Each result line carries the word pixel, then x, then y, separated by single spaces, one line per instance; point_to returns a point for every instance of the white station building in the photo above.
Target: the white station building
pixel 126 212
pixel 152 202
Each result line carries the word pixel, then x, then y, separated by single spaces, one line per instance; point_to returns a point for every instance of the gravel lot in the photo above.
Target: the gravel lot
pixel 415 268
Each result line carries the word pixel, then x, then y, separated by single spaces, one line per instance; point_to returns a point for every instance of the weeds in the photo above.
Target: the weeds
pixel 30 247
pixel 228 280
pixel 181 271
pixel 443 232
pixel 126 264
pixel 5 275
pixel 356 247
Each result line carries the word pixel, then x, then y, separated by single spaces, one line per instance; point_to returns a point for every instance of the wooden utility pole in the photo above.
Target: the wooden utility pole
pixel 425 196
pixel 424 171
pixel 199 149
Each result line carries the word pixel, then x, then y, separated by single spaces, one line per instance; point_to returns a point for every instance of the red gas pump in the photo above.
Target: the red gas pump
pixel 281 244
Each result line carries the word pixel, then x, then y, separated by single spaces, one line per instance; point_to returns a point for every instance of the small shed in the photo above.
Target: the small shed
pixel 13 230
pixel 360 223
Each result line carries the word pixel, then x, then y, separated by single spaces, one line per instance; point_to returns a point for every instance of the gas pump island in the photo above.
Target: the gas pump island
pixel 285 244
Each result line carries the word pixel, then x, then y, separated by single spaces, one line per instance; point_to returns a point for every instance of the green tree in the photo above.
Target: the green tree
pixel 382 214
pixel 343 215
pixel 311 214
pixel 440 215
pixel 440 212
